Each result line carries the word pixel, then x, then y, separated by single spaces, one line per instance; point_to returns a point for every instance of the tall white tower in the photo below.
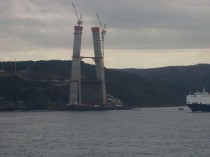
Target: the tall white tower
pixel 99 62
pixel 75 82
pixel 75 85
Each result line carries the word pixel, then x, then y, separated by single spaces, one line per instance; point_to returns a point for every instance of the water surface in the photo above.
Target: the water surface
pixel 151 132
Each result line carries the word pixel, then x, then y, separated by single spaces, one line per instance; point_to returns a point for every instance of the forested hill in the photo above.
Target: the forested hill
pixel 42 84
pixel 193 77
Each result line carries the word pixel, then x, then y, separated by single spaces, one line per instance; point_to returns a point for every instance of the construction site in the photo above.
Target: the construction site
pixel 91 93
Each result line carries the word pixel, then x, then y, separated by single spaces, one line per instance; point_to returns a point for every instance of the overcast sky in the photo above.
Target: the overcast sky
pixel 140 33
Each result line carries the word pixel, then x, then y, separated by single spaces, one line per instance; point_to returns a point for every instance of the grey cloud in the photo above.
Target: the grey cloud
pixel 136 24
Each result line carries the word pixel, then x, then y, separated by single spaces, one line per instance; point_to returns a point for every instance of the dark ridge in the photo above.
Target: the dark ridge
pixel 44 84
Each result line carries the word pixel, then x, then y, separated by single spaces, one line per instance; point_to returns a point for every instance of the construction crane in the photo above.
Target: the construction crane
pixel 79 19
pixel 103 33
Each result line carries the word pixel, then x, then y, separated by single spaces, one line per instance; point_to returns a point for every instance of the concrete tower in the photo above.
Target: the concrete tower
pixel 75 82
pixel 99 62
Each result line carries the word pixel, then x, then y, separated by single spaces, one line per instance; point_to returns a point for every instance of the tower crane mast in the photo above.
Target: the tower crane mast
pixel 103 32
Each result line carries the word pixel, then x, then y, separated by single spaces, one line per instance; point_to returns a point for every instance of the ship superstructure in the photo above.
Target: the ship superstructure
pixel 199 101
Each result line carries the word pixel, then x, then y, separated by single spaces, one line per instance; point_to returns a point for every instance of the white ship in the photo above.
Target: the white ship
pixel 199 101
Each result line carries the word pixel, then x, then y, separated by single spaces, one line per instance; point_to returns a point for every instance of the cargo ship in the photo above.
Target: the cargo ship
pixel 199 101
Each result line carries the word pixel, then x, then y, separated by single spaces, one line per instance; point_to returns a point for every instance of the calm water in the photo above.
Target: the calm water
pixel 152 132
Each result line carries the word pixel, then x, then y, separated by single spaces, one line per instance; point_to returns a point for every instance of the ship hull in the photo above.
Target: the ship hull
pixel 199 107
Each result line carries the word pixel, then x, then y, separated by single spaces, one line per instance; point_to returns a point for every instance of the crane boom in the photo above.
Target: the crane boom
pixel 99 21
pixel 103 32
pixel 102 27
pixel 79 22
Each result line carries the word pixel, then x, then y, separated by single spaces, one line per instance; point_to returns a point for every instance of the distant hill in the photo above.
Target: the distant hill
pixel 35 83
pixel 192 78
